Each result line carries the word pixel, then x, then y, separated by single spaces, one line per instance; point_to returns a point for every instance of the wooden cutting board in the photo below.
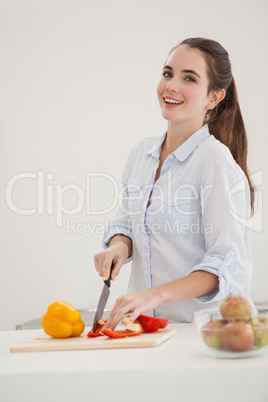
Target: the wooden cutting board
pixel 44 343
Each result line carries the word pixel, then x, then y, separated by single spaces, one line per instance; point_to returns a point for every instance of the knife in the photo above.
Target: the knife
pixel 103 300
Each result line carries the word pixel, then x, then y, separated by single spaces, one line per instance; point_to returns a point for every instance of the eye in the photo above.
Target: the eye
pixel 190 79
pixel 167 74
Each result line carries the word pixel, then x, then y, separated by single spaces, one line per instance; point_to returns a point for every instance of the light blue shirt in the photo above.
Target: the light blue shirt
pixel 194 217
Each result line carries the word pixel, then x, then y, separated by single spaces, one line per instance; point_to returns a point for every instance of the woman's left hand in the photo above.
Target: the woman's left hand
pixel 136 303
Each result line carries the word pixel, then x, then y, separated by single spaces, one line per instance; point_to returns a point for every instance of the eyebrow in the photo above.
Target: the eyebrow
pixel 183 71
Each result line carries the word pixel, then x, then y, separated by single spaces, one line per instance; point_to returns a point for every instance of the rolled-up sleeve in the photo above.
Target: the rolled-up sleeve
pixel 226 211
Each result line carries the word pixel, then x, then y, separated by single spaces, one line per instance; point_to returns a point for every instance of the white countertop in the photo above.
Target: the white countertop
pixel 173 371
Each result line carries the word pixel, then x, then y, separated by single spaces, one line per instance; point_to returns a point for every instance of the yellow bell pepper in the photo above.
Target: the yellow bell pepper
pixel 62 321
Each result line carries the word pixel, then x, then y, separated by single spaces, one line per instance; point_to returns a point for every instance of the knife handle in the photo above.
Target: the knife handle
pixel 108 281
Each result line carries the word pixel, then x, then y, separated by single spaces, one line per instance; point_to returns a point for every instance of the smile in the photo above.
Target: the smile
pixel 172 101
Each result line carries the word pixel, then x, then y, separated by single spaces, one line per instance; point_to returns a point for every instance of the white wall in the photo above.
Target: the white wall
pixel 78 89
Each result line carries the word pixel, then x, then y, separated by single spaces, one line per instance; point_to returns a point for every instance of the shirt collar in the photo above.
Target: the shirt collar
pixel 155 149
pixel 185 149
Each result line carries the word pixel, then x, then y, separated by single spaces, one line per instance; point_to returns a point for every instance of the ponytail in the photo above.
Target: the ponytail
pixel 225 122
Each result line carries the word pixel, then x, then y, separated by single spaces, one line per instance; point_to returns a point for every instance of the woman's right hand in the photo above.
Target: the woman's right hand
pixel 120 248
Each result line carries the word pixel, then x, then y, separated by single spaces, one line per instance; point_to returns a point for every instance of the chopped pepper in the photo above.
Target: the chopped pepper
pixel 152 324
pixel 62 321
pixel 92 334
pixel 132 329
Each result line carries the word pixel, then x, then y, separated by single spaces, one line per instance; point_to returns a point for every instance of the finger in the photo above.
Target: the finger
pixel 103 261
pixel 116 269
pixel 114 320
pixel 117 314
pixel 110 320
pixel 99 262
pixel 106 267
pixel 98 259
pixel 96 262
pixel 135 314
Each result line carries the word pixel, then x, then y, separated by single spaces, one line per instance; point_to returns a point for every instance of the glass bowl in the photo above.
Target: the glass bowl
pixel 233 339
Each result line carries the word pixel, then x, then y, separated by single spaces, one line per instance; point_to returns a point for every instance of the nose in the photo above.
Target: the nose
pixel 173 85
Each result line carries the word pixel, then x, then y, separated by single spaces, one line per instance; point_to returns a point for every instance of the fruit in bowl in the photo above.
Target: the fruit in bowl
pixel 212 334
pixel 235 308
pixel 237 336
pixel 233 330
pixel 260 329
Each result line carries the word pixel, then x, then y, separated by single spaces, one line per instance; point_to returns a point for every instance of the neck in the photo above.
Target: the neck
pixel 177 134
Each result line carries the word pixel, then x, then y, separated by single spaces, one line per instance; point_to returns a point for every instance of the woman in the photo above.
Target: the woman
pixel 187 200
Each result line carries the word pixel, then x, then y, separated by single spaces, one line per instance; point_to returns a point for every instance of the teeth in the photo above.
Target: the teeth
pixel 167 100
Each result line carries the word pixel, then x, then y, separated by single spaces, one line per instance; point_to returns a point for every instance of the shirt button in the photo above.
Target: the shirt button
pixel 171 156
pixel 145 238
pixel 146 265
pixel 165 168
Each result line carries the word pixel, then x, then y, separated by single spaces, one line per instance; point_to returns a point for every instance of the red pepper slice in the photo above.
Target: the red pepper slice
pixel 133 329
pixel 121 334
pixel 92 334
pixel 152 324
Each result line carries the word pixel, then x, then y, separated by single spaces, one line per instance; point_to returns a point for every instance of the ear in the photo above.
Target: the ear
pixel 215 97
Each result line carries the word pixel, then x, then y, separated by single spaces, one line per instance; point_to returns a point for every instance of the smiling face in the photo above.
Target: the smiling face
pixel 183 88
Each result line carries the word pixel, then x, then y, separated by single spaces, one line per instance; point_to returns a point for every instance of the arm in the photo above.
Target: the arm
pixel 193 285
pixel 123 241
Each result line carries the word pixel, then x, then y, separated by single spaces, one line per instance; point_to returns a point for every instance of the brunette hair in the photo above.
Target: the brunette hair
pixel 225 121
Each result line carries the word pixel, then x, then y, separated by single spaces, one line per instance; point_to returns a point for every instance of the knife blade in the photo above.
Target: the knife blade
pixel 103 300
